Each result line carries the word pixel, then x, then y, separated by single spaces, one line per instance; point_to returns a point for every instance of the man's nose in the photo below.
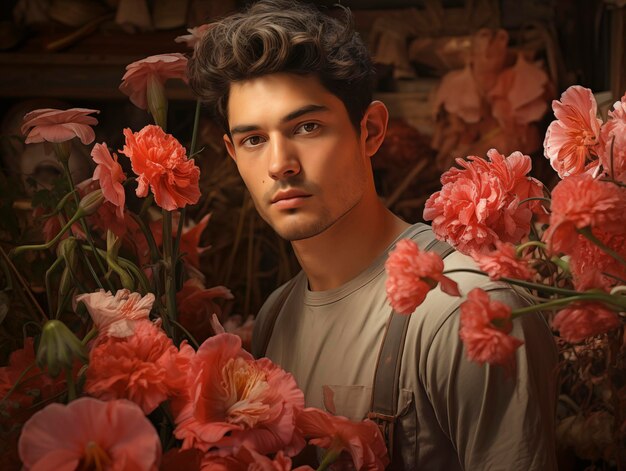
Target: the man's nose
pixel 284 161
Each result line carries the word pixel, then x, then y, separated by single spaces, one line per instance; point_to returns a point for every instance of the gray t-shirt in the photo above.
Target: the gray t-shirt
pixel 454 414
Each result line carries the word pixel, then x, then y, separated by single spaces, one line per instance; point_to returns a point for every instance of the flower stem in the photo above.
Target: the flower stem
pixel 555 303
pixel 169 262
pixel 90 335
pixel 71 386
pixel 530 243
pixel 329 458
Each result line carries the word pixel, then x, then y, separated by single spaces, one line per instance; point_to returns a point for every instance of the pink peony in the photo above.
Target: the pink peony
pixel 615 128
pixel 572 142
pixel 484 328
pixel 145 368
pixel 161 163
pixel 504 262
pixel 110 175
pixel 584 319
pixel 582 201
pixel 90 434
pixel 234 400
pixel 480 202
pixel 592 267
pixel 411 274
pixel 362 440
pixel 116 315
pixel 194 36
pixel 160 67
pixel 52 125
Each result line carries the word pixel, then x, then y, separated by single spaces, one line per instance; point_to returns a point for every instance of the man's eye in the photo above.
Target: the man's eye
pixel 252 141
pixel 307 128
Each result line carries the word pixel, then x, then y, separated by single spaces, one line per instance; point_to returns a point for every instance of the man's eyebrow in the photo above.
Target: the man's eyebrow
pixel 244 128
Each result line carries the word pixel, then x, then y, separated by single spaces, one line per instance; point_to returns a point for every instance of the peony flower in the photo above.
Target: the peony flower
pixel 592 267
pixel 52 125
pixel 581 201
pixel 145 368
pixel 480 202
pixel 110 175
pixel 573 141
pixel 411 274
pixel 160 162
pixel 362 440
pixel 234 400
pixel 485 324
pixel 90 434
pixel 504 262
pixel 116 315
pixel 160 67
pixel 584 319
pixel 614 128
pixel 194 36
pixel 196 306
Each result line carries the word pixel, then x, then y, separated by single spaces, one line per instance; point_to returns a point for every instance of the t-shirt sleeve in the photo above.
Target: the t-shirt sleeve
pixel 495 421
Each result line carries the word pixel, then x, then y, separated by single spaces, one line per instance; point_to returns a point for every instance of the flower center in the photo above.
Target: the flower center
pixel 245 387
pixel 95 458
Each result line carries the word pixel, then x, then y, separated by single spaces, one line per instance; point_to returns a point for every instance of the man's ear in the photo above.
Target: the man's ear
pixel 230 148
pixel 374 127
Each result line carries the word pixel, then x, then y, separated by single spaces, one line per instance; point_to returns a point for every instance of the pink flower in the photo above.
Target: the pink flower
pixel 592 267
pixel 362 440
pixel 111 176
pixel 484 328
pixel 504 262
pixel 582 201
pixel 411 274
pixel 145 368
pixel 480 203
pixel 90 434
pixel 190 241
pixel 194 36
pixel 615 128
pixel 246 459
pixel 52 125
pixel 584 319
pixel 160 67
pixel 234 400
pixel 160 162
pixel 573 140
pixel 116 315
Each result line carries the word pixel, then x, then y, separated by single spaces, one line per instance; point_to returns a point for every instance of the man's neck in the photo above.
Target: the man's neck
pixel 349 246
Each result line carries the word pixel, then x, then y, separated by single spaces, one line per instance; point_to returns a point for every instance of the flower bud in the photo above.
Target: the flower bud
pixel 58 348
pixel 68 250
pixel 157 103
pixel 90 203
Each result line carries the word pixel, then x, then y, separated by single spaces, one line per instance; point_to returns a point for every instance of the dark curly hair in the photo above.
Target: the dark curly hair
pixel 282 36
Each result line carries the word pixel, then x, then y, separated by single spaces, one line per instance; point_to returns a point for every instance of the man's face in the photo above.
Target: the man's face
pixel 297 152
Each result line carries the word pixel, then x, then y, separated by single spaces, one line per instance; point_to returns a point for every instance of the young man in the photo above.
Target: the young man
pixel 293 90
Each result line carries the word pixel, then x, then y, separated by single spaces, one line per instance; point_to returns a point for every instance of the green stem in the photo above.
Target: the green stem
pixel 530 243
pixel 71 386
pixel 589 235
pixel 86 230
pixel 169 261
pixel 535 198
pixel 154 250
pixel 604 298
pixel 90 335
pixel 329 458
pixel 48 277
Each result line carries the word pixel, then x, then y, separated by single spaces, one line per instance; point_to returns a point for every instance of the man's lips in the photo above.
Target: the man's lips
pixel 288 195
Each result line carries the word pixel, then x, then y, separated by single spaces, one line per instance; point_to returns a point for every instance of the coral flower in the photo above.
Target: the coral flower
pixel 160 67
pixel 579 202
pixel 581 320
pixel 90 434
pixel 145 368
pixel 573 140
pixel 480 202
pixel 52 125
pixel 248 460
pixel 485 324
pixel 362 440
pixel 116 315
pixel 613 156
pixel 196 306
pixel 111 176
pixel 234 400
pixel 160 162
pixel 504 262
pixel 194 36
pixel 411 274
pixel 592 267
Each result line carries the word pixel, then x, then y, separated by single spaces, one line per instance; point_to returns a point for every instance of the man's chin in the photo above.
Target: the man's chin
pixel 295 232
